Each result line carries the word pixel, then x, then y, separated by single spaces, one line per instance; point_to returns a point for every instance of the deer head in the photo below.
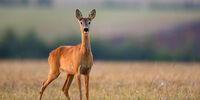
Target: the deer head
pixel 85 22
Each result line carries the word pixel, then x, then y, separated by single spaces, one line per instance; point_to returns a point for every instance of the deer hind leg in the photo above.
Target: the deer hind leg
pixel 53 74
pixel 67 84
pixel 67 79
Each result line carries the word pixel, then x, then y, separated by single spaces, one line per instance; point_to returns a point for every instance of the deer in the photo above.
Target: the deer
pixel 73 60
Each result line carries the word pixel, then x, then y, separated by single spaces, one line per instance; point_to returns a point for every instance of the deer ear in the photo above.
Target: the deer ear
pixel 92 14
pixel 78 14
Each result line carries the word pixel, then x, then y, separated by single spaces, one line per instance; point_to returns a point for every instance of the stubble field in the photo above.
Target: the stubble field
pixel 21 80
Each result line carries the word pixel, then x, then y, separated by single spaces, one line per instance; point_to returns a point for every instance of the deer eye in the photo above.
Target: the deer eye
pixel 89 23
pixel 81 23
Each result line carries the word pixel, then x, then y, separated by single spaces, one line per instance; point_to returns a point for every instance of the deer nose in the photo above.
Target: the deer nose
pixel 85 29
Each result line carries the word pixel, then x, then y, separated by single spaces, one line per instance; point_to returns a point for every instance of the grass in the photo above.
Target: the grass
pixel 21 80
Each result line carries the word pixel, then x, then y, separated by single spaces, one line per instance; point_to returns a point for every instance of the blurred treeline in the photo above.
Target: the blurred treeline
pixel 150 4
pixel 26 2
pixel 117 48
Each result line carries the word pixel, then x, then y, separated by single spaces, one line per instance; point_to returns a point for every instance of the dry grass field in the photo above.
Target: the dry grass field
pixel 21 80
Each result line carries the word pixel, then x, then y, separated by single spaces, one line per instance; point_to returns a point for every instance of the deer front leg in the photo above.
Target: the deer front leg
pixel 86 83
pixel 78 78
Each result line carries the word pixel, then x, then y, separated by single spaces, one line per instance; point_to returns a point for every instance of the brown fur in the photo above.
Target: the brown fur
pixel 74 60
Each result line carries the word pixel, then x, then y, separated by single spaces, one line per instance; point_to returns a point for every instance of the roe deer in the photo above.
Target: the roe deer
pixel 74 60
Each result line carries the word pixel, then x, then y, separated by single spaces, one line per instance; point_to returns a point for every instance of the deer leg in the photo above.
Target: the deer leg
pixel 67 85
pixel 67 78
pixel 86 83
pixel 50 78
pixel 78 78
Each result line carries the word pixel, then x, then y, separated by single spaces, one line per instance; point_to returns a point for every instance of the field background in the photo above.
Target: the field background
pixel 21 80
pixel 53 23
pixel 143 49
pixel 134 34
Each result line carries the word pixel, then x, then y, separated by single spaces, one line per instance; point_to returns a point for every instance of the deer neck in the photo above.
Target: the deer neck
pixel 85 45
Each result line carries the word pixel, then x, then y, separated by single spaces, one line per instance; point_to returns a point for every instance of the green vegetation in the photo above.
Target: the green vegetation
pixel 123 48
pixel 29 46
